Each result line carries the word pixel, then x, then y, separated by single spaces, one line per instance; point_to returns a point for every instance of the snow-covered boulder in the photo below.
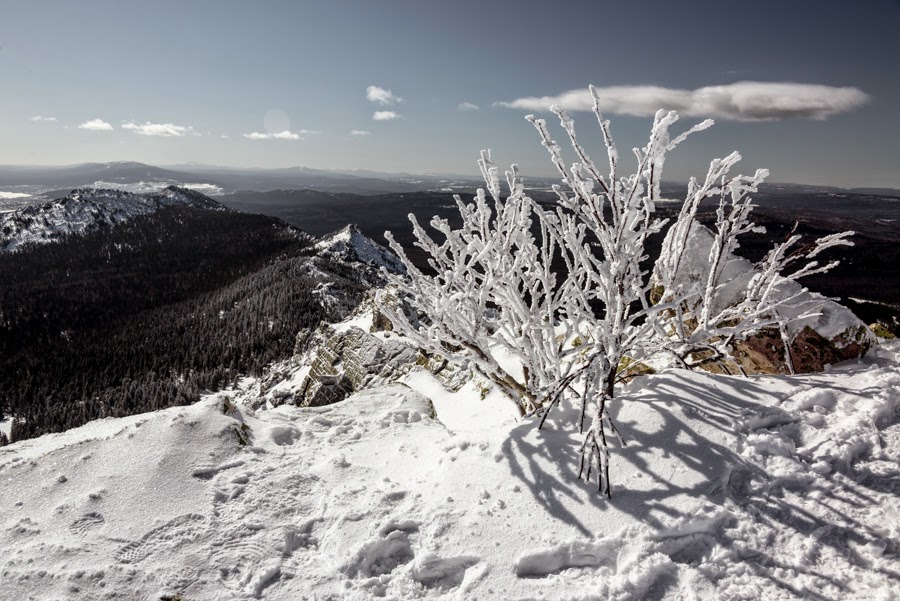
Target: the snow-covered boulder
pixel 820 331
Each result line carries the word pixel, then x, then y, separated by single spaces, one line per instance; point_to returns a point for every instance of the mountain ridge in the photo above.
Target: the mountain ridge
pixel 344 180
pixel 85 209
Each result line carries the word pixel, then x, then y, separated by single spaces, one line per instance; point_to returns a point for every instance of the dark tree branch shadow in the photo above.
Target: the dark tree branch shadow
pixel 675 430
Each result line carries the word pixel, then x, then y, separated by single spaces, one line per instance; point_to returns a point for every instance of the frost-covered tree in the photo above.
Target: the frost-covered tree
pixel 492 300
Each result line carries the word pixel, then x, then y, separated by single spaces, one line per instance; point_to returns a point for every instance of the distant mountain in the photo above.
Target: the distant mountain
pixel 297 178
pixel 110 175
pixel 876 191
pixel 357 178
pixel 350 244
pixel 217 180
pixel 87 209
pixel 321 213
pixel 138 177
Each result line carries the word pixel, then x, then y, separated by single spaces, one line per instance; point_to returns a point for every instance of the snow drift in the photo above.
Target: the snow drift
pixel 768 487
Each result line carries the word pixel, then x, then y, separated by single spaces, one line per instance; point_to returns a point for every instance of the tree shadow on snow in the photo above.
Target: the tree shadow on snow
pixel 655 428
pixel 682 449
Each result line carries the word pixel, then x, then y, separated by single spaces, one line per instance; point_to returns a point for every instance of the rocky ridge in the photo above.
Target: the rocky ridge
pixel 87 209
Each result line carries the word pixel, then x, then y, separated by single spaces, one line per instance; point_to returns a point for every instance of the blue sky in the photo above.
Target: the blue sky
pixel 274 84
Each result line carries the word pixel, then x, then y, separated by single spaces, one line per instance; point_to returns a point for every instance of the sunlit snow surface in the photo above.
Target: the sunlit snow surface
pixel 8 195
pixel 143 187
pixel 729 488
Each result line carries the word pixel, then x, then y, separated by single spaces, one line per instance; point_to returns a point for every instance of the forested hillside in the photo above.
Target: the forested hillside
pixel 149 313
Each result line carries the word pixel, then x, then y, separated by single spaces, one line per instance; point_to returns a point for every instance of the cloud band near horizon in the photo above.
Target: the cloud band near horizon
pixel 163 130
pixel 281 135
pixel 741 101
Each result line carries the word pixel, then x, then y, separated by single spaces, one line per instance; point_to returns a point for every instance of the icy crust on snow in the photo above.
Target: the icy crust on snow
pixel 767 487
pixel 827 317
pixel 86 209
pixel 351 244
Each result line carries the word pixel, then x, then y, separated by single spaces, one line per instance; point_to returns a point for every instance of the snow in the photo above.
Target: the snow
pixel 349 242
pixel 768 487
pixel 804 309
pixel 85 209
pixel 360 319
pixel 7 195
pixel 145 187
pixel 208 189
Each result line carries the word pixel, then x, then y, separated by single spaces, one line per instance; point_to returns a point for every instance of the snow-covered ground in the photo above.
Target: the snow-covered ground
pixel 7 195
pixel 729 488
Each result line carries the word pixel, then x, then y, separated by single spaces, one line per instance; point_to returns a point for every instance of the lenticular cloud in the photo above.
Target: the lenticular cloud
pixel 742 101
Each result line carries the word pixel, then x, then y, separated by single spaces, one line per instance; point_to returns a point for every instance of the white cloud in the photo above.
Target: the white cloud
pixel 282 135
pixel 164 130
pixel 385 116
pixel 38 119
pixel 285 135
pixel 360 132
pixel 382 96
pixel 742 101
pixel 96 125
pixel 467 106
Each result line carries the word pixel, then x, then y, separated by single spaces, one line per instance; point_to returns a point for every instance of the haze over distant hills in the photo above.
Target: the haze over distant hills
pixel 218 180
pixel 139 177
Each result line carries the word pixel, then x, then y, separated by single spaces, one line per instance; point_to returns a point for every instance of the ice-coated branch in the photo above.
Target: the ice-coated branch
pixel 493 292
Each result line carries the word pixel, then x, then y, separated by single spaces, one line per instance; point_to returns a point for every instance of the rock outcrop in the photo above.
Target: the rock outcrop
pixel 347 360
pixel 350 360
pixel 819 330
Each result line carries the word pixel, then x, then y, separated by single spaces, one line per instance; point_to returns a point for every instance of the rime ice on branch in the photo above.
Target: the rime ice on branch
pixel 493 294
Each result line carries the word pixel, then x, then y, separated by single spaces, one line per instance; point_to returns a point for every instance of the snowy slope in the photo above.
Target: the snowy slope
pixel 350 244
pixel 729 488
pixel 87 209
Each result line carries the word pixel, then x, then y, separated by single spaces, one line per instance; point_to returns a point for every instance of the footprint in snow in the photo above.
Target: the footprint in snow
pixel 245 556
pixel 539 563
pixel 85 523
pixel 442 573
pixel 207 472
pixel 285 436
pixel 165 538
pixel 390 549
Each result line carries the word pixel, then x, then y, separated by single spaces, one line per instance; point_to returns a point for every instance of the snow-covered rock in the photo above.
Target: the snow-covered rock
pixel 350 360
pixel 349 357
pixel 821 331
pixel 87 209
pixel 768 487
pixel 350 244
